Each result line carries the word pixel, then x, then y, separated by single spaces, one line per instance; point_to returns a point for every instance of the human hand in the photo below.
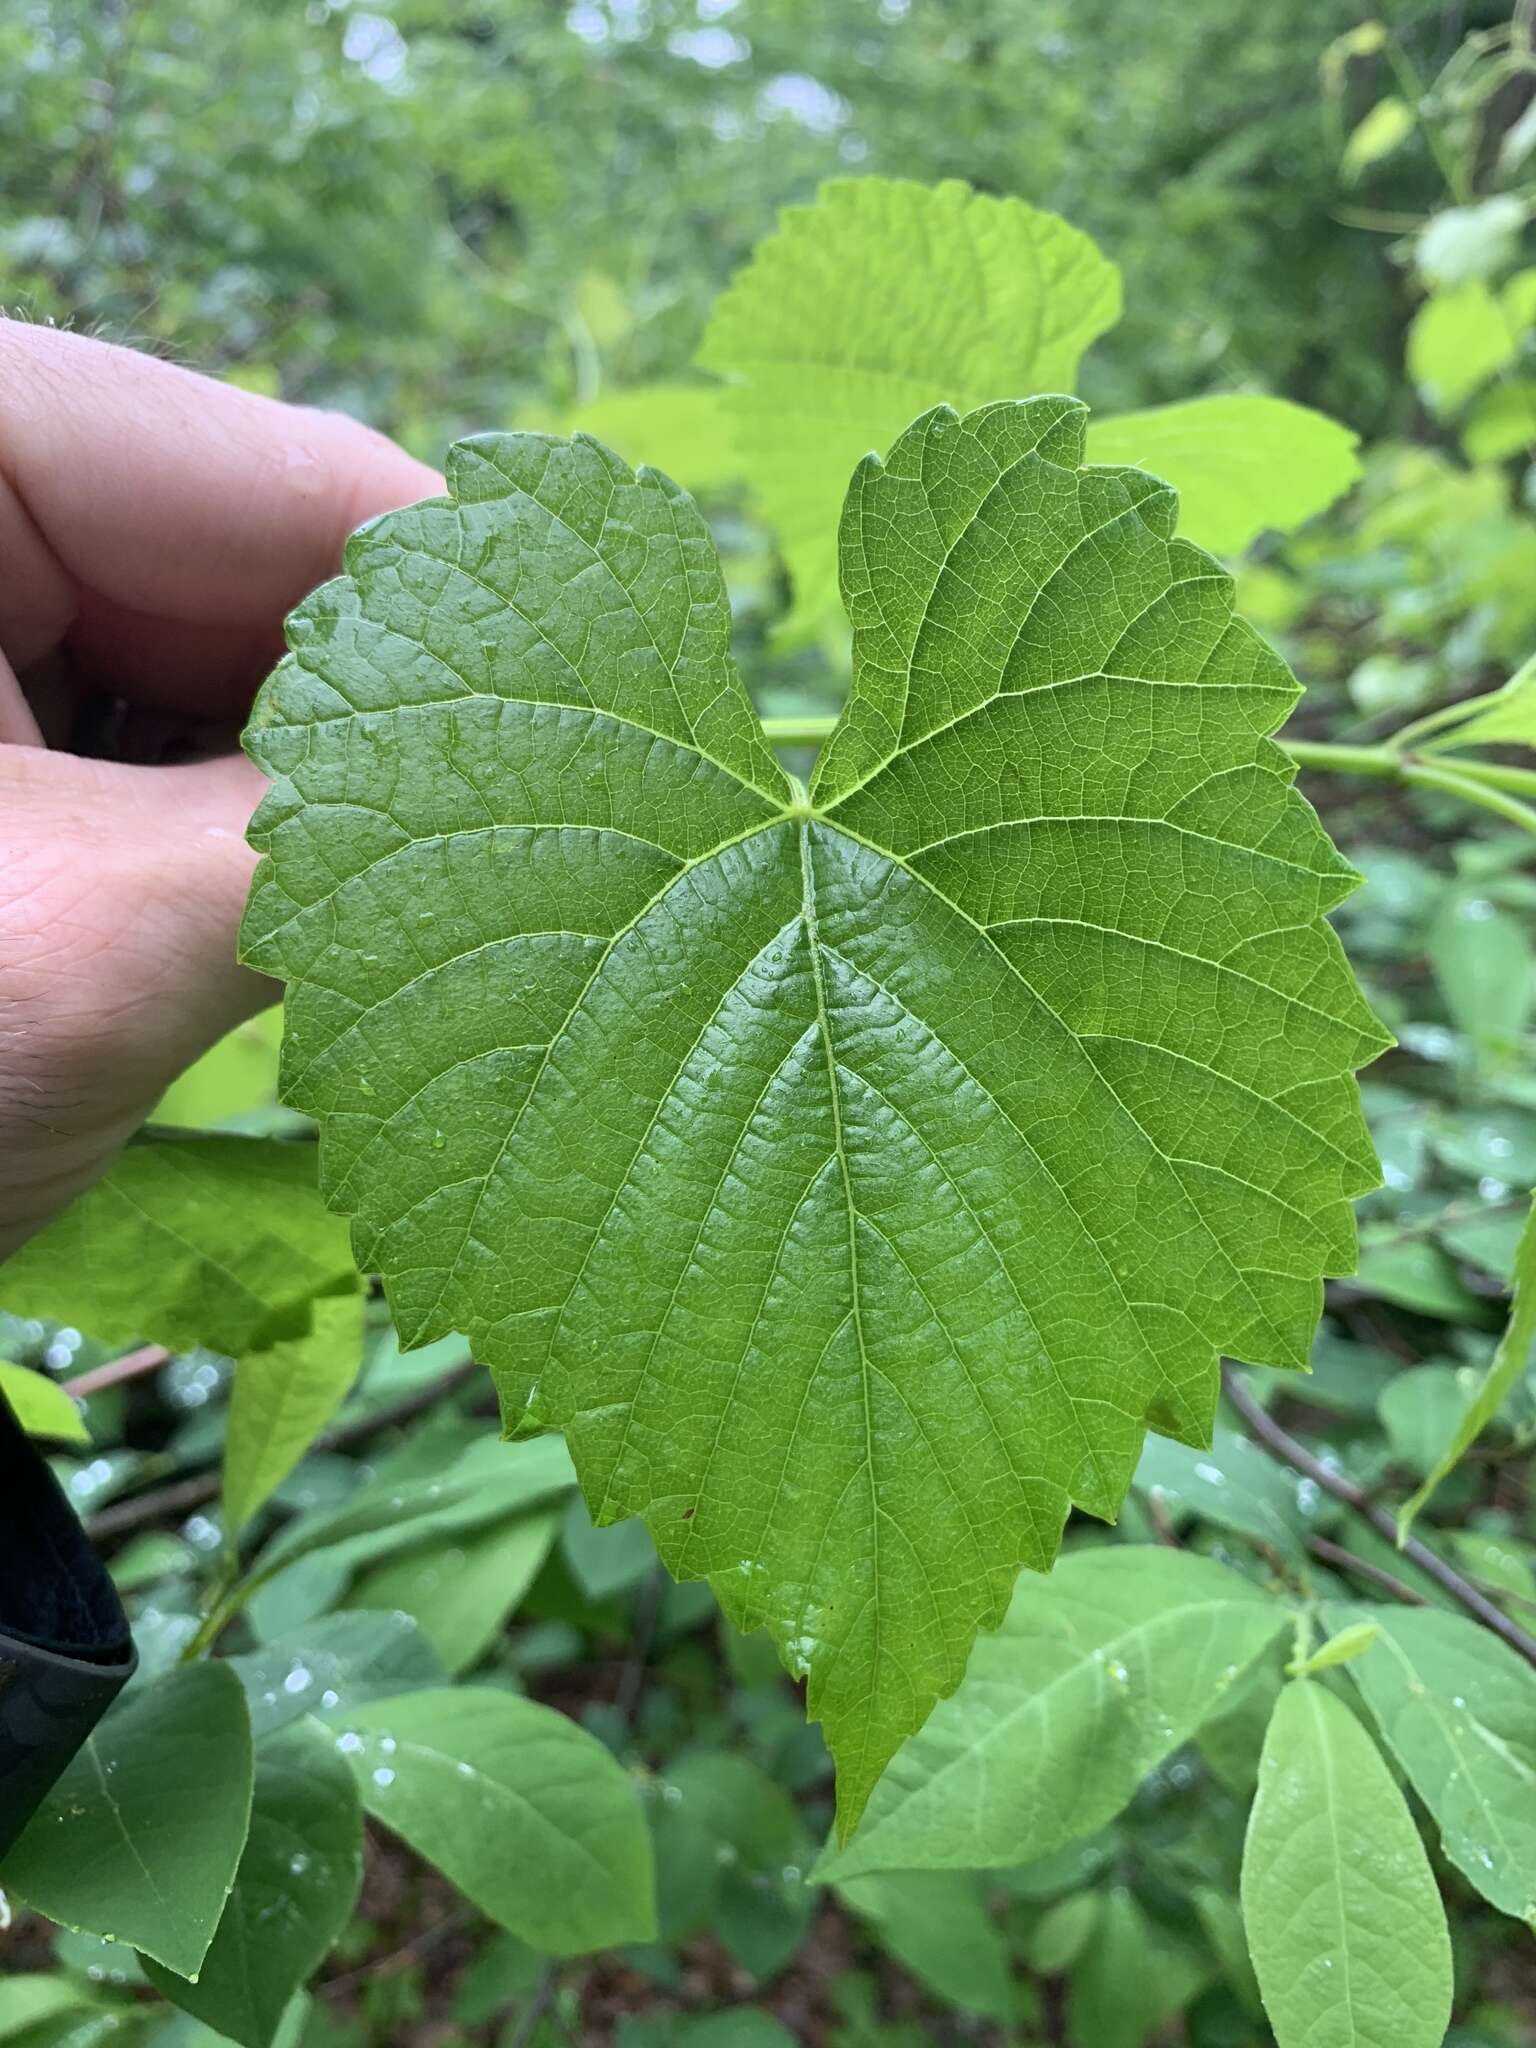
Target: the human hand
pixel 154 528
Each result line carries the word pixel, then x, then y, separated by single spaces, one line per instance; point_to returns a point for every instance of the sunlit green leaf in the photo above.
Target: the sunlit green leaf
pixel 1502 422
pixel 184 1241
pixel 1350 1641
pixel 233 1078
pixel 1458 340
pixel 1239 464
pixel 883 298
pixel 1385 128
pixel 41 1405
pixel 681 428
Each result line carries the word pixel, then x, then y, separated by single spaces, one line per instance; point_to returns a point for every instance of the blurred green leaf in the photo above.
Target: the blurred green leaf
pixel 1458 340
pixel 283 1397
pixel 1419 1410
pixel 334 1665
pixel 1386 127
pixel 237 1076
pixel 936 1923
pixel 1463 243
pixel 1509 1365
pixel 753 1850
pixel 41 1405
pixel 1130 1978
pixel 461 1590
pixel 1239 464
pixel 1235 1484
pixel 418 1494
pixel 882 299
pixel 186 1241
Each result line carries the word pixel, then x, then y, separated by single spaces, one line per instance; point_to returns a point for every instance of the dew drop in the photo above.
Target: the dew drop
pixel 383 1776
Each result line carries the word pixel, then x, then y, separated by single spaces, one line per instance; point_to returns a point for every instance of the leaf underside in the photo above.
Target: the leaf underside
pixel 852 1177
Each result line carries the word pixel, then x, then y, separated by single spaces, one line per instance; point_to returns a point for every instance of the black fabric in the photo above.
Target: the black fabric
pixel 65 1648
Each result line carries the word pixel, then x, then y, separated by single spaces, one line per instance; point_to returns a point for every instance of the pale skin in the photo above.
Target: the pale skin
pixel 155 526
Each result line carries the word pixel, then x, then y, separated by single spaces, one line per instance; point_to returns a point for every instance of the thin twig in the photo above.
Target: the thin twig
pixel 131 1366
pixel 1162 1524
pixel 1346 1561
pixel 538 2005
pixel 626 1696
pixel 1285 1446
pixel 185 1494
pixel 421 1943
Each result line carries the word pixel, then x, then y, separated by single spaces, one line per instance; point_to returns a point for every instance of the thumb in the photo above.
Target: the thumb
pixel 121 889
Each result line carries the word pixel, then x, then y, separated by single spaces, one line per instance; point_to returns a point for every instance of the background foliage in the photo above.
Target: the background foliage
pixel 447 218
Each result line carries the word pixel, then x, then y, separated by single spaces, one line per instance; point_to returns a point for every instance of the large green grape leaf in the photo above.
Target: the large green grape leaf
pixel 884 298
pixel 887 296
pixel 851 1175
